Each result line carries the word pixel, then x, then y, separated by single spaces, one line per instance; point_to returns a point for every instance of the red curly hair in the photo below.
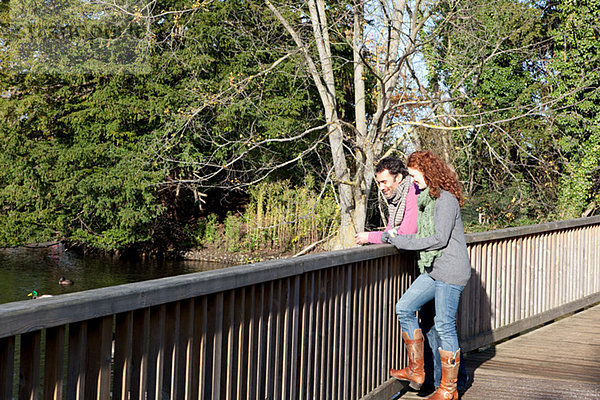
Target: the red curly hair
pixel 437 174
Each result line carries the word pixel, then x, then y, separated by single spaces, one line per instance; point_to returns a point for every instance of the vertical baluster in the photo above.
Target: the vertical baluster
pixel 54 360
pixel 554 265
pixel 362 329
pixel 169 350
pixel 76 360
pixel 280 304
pixel 240 344
pixel 270 313
pixel 581 269
pixel 527 272
pixel 312 389
pixel 377 333
pixel 252 362
pixel 217 366
pixel 574 263
pixel 334 358
pixel 308 336
pixel 247 373
pixel 98 358
pixel 228 369
pixel 535 268
pixel 262 311
pixel 200 358
pixel 395 276
pixel 515 296
pixel 329 333
pixel 502 291
pixel 322 335
pixel 156 351
pixel 587 271
pixel 386 318
pixel 496 281
pixel 547 283
pixel 560 267
pixel 370 322
pixel 29 374
pixel 122 358
pixel 594 242
pixel 346 364
pixel 354 329
pixel 183 360
pixel 477 289
pixel 487 317
pixel 291 332
pixel 139 353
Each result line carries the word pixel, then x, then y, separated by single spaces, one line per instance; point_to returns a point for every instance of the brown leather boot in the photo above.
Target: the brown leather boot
pixel 415 372
pixel 450 364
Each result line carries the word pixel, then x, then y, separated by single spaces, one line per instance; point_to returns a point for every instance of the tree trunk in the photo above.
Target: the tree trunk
pixel 363 155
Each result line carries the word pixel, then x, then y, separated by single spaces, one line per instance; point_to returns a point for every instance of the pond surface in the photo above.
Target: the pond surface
pixel 23 270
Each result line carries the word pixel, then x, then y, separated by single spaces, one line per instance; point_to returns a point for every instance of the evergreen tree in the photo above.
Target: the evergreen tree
pixel 97 148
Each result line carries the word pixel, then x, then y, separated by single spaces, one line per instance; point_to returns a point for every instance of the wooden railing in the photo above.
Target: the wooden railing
pixel 524 277
pixel 316 327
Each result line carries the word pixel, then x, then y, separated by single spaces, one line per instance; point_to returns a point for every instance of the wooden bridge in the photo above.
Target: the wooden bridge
pixel 317 327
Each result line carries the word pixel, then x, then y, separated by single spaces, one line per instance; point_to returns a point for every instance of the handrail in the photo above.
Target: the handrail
pixel 25 316
pixel 507 233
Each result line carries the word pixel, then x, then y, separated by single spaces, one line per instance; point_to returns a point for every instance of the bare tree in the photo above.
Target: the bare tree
pixel 408 102
pixel 383 48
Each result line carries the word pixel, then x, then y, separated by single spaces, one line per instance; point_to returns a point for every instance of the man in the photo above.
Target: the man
pixel 400 192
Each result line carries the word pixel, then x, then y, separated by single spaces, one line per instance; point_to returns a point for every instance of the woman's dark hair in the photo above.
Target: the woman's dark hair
pixel 392 164
pixel 437 174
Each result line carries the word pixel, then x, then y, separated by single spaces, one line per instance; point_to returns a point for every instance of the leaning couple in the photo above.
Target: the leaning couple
pixel 424 203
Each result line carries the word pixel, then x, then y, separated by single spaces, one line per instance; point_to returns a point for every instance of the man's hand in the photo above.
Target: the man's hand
pixel 361 238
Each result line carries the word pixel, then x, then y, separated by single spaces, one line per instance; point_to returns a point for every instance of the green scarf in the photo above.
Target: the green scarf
pixel 425 228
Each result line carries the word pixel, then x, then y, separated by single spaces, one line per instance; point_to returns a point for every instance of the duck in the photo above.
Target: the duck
pixel 34 295
pixel 64 281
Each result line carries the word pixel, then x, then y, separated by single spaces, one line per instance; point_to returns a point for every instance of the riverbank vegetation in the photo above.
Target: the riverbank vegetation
pixel 278 219
pixel 254 126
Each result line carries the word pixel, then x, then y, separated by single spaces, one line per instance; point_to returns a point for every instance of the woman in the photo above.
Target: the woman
pixel 445 270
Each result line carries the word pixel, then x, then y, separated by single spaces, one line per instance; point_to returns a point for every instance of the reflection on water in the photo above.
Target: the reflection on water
pixel 23 270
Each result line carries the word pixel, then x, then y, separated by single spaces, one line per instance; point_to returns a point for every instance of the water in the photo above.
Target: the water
pixel 23 270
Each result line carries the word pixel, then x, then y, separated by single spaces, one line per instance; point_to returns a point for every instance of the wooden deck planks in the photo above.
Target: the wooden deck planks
pixel 559 361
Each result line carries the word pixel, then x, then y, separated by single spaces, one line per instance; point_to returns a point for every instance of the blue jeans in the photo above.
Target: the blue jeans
pixel 446 296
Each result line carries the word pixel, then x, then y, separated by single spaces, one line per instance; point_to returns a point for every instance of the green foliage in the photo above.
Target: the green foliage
pixel 94 149
pixel 576 190
pixel 225 106
pixel 278 218
pixel 70 36
pixel 74 139
pixel 577 76
pixel 207 230
pixel 507 159
pixel 283 217
pixel 493 210
pixel 233 236
pixel 99 150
